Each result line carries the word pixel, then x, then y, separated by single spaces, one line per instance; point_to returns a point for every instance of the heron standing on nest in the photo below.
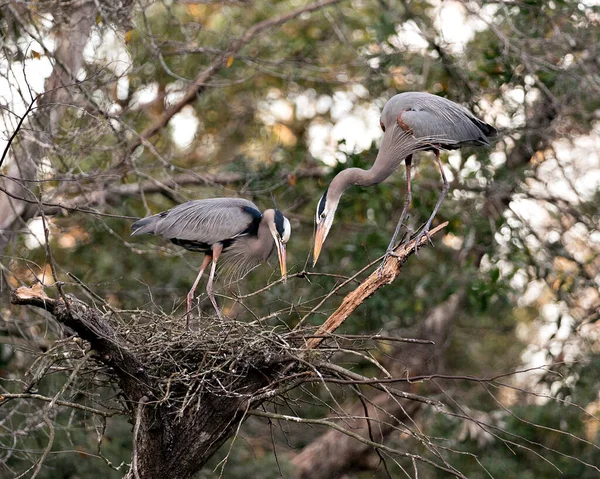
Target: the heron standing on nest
pixel 231 229
pixel 411 122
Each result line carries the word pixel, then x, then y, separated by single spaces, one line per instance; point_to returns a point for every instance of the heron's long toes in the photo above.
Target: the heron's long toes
pixel 429 238
pixel 424 232
pixel 388 253
pixel 417 243
pixel 380 269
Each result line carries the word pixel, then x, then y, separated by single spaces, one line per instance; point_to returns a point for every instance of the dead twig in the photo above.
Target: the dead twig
pixel 333 425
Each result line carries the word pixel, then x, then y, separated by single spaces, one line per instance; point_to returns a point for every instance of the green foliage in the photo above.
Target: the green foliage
pixel 484 252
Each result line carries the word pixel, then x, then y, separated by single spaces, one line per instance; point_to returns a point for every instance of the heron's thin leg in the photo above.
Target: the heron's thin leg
pixel 407 201
pixel 216 249
pixel 190 297
pixel 445 188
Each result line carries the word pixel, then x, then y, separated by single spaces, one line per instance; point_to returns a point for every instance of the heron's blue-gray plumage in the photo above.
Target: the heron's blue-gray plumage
pixel 442 121
pixel 204 221
pixel 426 122
pixel 230 231
pixel 411 122
pixel 235 223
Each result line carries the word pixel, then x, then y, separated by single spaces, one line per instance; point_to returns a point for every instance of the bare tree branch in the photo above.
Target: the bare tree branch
pixel 5 397
pixel 71 39
pixel 200 82
pixel 333 453
pixel 376 280
pixel 354 435
pixel 89 325
pixel 115 193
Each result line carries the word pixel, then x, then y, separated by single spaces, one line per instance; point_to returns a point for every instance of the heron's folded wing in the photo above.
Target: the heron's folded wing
pixel 209 221
pixel 445 127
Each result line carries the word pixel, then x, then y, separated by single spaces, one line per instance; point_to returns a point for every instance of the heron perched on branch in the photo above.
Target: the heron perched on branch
pixel 231 229
pixel 411 122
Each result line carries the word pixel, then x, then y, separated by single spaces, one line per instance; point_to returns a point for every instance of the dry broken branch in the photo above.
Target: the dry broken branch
pixel 376 280
pixel 90 326
pixel 331 454
pixel 117 192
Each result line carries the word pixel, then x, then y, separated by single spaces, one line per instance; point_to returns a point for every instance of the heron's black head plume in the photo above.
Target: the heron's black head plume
pixel 321 206
pixel 274 201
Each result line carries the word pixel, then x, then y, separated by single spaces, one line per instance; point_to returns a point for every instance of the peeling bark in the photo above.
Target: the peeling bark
pixel 377 279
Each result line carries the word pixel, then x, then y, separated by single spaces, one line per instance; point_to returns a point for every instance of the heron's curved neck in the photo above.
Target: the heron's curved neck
pixel 262 244
pixel 375 174
pixel 396 146
pixel 358 177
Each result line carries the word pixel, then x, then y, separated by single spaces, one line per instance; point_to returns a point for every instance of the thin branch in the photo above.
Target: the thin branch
pixel 113 193
pixel 90 326
pixel 333 425
pixel 136 430
pixel 48 446
pixel 363 337
pixel 359 379
pixel 12 137
pixel 54 208
pixel 6 397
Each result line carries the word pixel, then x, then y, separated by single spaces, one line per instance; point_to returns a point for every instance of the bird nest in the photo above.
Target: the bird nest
pixel 152 358
pixel 155 355
pixel 214 356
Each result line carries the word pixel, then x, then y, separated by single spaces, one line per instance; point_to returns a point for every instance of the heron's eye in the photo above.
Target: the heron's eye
pixel 322 216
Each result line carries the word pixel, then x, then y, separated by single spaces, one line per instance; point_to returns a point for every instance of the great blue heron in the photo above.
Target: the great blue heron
pixel 231 229
pixel 411 122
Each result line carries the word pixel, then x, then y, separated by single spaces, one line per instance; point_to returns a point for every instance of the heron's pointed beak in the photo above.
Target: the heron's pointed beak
pixel 282 259
pixel 319 240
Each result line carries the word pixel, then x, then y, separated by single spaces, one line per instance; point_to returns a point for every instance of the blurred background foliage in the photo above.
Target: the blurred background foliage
pixel 291 109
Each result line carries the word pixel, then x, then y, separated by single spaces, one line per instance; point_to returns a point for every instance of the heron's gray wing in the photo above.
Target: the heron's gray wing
pixel 437 118
pixel 448 126
pixel 204 221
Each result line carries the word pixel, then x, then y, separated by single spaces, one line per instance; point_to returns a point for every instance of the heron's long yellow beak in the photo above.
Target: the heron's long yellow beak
pixel 319 239
pixel 282 259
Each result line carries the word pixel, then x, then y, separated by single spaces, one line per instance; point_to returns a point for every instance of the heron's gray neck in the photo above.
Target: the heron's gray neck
pixel 358 177
pixel 262 244
pixel 396 146
pixel 248 251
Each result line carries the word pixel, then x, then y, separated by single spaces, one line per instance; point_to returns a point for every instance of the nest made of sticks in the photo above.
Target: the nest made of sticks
pixel 214 356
